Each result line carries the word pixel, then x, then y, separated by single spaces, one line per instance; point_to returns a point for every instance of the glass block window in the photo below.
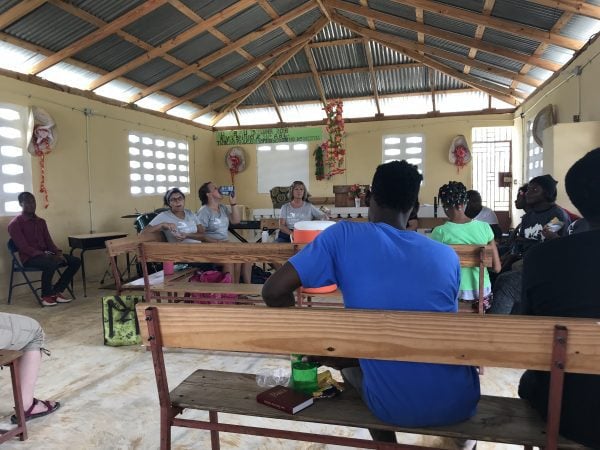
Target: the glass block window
pixel 535 155
pixel 15 161
pixel 157 164
pixel 410 147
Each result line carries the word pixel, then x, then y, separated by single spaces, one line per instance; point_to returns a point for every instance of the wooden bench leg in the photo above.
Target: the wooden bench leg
pixel 21 428
pixel 214 434
pixel 165 428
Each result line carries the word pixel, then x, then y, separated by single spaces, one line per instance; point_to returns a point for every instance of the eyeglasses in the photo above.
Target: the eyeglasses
pixel 176 199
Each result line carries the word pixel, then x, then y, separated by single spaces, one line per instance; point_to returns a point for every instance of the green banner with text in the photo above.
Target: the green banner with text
pixel 269 135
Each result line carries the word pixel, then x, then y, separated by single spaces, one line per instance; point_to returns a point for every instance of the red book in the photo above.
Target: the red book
pixel 285 399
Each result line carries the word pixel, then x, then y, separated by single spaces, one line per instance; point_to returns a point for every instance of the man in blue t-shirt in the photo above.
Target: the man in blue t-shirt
pixel 380 265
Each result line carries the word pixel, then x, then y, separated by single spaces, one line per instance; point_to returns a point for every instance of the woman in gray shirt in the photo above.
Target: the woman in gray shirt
pixel 298 209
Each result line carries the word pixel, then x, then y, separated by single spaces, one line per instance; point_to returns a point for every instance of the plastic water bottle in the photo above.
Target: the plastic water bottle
pixel 265 235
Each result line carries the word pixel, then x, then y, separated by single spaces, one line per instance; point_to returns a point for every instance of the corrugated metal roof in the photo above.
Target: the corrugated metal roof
pixel 152 72
pixel 283 6
pixel 197 47
pixel 539 73
pixel 50 27
pixel 297 64
pixel 443 82
pixel 446 45
pixel 300 24
pixel 107 11
pixel 397 31
pixel 410 79
pixel 117 89
pixel 154 102
pixel 245 78
pixel 511 41
pixel 259 97
pixel 244 22
pixel 449 24
pixel 355 18
pixel 185 85
pixel 186 110
pixel 333 31
pixel 491 77
pixel 69 75
pixel 225 64
pixel 295 89
pixel 580 28
pixel 208 8
pixel 159 25
pixel 528 13
pixel 525 88
pixel 339 57
pixel 383 56
pixel 109 53
pixel 210 96
pixel 557 54
pixel 347 85
pixel 7 4
pixel 451 64
pixel 257 116
pixel 499 61
pixel 396 9
pixel 16 58
pixel 266 43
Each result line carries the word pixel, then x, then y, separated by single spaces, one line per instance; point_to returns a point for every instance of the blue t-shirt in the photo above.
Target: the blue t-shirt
pixel 377 266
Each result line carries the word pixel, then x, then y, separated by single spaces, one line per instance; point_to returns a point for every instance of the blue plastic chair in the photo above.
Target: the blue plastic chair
pixel 17 267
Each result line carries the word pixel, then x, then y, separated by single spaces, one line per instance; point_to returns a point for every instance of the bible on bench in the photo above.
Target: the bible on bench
pixel 285 399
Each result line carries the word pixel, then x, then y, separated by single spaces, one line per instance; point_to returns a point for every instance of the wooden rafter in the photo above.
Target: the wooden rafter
pixel 273 14
pixel 488 5
pixel 21 9
pixel 506 95
pixel 367 47
pixel 240 96
pixel 572 6
pixel 451 56
pixel 324 9
pixel 215 56
pixel 420 35
pixel 432 90
pixel 370 21
pixel 273 99
pixel 335 43
pixel 172 43
pixel 506 26
pixel 190 14
pixel 387 67
pixel 315 74
pixel 84 15
pixel 447 35
pixel 97 35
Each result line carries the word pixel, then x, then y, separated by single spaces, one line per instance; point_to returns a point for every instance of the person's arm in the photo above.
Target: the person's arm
pixel 164 226
pixel 317 213
pixel 412 224
pixel 234 216
pixel 279 289
pixel 282 220
pixel 496 264
pixel 16 234
pixel 48 240
pixel 497 231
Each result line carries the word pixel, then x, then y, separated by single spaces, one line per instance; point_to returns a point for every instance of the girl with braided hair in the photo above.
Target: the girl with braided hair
pixel 460 229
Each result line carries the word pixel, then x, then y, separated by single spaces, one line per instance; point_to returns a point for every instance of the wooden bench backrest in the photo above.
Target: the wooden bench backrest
pixel 225 252
pixel 116 247
pixel 471 255
pixel 497 341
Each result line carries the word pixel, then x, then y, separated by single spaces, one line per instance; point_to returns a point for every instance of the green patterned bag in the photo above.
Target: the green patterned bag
pixel 119 319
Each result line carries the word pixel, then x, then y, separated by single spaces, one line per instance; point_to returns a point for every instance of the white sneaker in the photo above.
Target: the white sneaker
pixel 60 298
pixel 49 300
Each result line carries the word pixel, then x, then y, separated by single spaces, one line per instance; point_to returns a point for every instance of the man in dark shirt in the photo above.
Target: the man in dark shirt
pixel 560 278
pixel 36 249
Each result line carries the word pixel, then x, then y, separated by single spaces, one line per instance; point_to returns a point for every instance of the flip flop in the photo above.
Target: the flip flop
pixel 50 408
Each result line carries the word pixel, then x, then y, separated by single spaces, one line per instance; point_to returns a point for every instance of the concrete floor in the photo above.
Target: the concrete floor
pixel 109 398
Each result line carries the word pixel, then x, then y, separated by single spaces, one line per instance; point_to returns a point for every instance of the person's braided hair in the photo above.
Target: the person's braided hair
pixel 453 194
pixel 396 185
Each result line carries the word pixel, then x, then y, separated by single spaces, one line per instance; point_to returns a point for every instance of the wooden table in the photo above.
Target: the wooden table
pixel 93 241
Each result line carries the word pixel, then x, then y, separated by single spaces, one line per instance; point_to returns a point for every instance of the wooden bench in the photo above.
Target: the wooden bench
pixel 125 246
pixel 542 343
pixel 8 358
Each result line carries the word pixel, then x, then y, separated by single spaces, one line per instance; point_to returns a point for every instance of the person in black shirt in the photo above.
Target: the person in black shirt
pixel 560 278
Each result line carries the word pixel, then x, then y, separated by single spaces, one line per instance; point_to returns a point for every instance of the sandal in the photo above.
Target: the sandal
pixel 50 408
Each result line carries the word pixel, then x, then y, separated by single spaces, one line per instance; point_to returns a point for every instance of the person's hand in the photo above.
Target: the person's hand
pixel 169 227
pixel 179 235
pixel 549 235
pixel 232 198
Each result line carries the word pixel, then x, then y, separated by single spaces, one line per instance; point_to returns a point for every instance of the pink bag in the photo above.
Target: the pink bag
pixel 212 276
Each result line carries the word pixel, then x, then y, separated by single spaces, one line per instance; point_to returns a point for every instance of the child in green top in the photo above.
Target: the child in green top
pixel 460 229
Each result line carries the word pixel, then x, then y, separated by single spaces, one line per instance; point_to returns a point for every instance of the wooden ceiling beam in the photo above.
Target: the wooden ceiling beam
pixel 172 43
pixel 215 56
pixel 506 26
pixel 447 35
pixel 273 99
pixel 370 21
pixel 506 95
pixel 18 11
pixel 291 76
pixel 273 14
pixel 335 43
pixel 240 96
pixel 84 15
pixel 372 74
pixel 324 9
pixel 234 73
pixel 488 5
pixel 419 16
pixel 102 32
pixel 572 6
pixel 190 14
pixel 315 74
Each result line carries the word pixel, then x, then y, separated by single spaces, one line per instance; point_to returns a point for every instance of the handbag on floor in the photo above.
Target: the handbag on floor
pixel 212 276
pixel 120 322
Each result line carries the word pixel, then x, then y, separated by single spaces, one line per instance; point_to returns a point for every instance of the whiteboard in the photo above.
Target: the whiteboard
pixel 280 167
